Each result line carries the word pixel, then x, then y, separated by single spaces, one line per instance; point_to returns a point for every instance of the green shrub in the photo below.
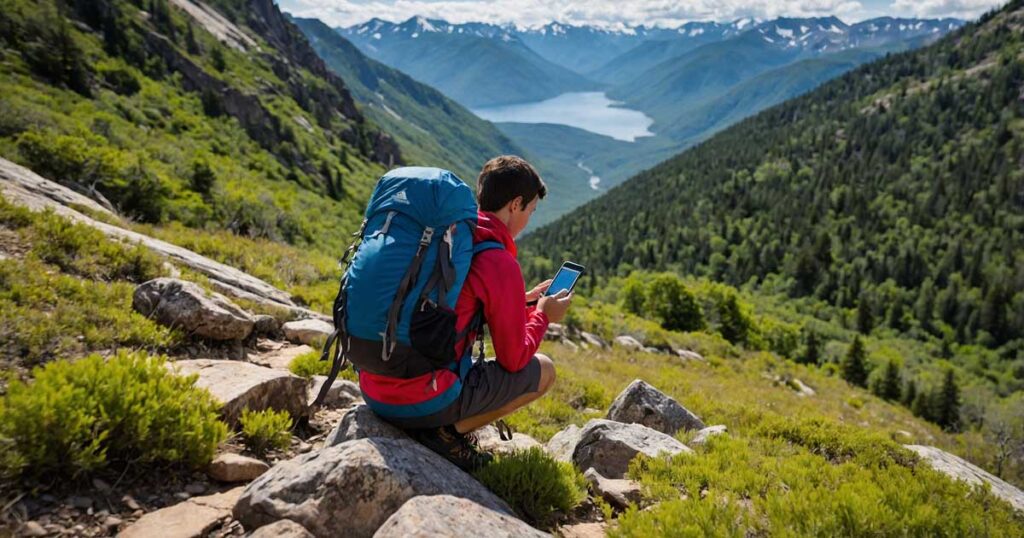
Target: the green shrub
pixel 79 417
pixel 535 484
pixel 263 430
pixel 309 364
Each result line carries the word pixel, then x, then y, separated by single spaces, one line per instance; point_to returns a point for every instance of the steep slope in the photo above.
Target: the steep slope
pixel 432 129
pixel 471 68
pixel 896 188
pixel 216 115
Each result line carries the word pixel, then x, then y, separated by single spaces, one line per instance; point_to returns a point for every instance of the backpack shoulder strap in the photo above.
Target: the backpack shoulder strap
pixel 486 245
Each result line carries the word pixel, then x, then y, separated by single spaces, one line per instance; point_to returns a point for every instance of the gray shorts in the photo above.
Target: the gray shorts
pixel 488 386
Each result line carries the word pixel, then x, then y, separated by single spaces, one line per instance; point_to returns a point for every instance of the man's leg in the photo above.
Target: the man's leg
pixel 547 379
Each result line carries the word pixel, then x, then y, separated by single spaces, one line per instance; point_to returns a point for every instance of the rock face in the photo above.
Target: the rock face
pixel 239 385
pixel 628 342
pixel 617 492
pixel 707 433
pixel 186 306
pixel 563 443
pixel 489 440
pixel 189 519
pixel 609 446
pixel 342 393
pixel 230 467
pixel 307 331
pixel 355 486
pixel 957 468
pixel 284 528
pixel 641 403
pixel 361 422
pixel 444 515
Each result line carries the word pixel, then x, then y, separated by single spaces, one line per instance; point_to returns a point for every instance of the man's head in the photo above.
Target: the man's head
pixel 509 187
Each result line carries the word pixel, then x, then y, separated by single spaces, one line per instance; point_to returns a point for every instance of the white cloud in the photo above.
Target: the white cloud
pixel 615 13
pixel 963 9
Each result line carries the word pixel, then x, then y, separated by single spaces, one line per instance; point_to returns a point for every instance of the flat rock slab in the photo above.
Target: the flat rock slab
pixel 230 467
pixel 342 393
pixel 284 528
pixel 448 516
pixel 640 403
pixel 960 469
pixel 352 488
pixel 240 385
pixel 189 519
pixel 307 331
pixel 609 446
pixel 184 305
pixel 360 422
pixel 280 358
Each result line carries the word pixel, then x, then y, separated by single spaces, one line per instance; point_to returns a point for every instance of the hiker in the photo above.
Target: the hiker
pixel 415 386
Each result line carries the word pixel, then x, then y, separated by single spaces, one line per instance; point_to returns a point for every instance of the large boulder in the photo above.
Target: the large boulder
pixel 960 469
pixel 240 385
pixel 186 306
pixel 641 403
pixel 593 340
pixel 445 515
pixel 189 519
pixel 307 331
pixel 352 488
pixel 609 446
pixel 628 342
pixel 360 422
pixel 562 444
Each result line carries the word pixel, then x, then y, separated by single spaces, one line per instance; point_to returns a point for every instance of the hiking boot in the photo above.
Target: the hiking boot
pixel 458 448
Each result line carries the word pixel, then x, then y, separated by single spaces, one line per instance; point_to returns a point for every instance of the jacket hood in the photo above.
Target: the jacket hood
pixel 490 228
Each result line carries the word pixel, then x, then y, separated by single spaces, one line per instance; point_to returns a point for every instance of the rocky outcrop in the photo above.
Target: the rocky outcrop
pixel 355 486
pixel 641 403
pixel 707 433
pixel 619 493
pixel 609 446
pixel 960 469
pixel 240 385
pixel 189 519
pixel 342 393
pixel 284 528
pixel 230 467
pixel 628 342
pixel 24 187
pixel 307 331
pixel 183 305
pixel 445 515
pixel 362 423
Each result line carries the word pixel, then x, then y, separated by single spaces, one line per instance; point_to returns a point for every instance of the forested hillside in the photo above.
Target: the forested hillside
pixel 140 105
pixel 432 129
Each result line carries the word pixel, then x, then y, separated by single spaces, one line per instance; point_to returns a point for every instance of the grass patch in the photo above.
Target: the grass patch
pixel 78 417
pixel 263 430
pixel 534 484
pixel 309 364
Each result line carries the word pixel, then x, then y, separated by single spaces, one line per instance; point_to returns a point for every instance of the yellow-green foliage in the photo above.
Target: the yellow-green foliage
pixel 309 364
pixel 534 484
pixel 263 430
pixel 809 478
pixel 78 417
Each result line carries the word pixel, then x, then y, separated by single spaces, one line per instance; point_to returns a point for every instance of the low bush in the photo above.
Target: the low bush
pixel 535 484
pixel 263 430
pixel 77 417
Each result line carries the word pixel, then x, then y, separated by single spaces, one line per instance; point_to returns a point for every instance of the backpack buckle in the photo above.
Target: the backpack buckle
pixel 428 235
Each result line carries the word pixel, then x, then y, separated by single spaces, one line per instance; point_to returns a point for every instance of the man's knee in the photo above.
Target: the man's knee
pixel 547 373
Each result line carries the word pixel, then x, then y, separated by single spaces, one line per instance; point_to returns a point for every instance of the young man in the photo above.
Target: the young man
pixel 450 407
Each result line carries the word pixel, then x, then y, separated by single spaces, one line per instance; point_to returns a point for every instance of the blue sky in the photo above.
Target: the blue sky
pixel 612 13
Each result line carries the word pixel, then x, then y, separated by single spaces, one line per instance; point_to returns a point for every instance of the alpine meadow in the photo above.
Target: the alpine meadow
pixel 798 234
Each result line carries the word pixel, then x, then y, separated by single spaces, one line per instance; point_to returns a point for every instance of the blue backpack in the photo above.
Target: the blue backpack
pixel 394 313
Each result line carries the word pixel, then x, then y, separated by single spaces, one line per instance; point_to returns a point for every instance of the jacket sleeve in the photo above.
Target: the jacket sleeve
pixel 516 332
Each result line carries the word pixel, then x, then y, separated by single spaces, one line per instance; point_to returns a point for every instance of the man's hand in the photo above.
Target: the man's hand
pixel 537 291
pixel 555 306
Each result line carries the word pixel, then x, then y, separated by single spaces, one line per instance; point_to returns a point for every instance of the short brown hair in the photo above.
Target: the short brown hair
pixel 505 178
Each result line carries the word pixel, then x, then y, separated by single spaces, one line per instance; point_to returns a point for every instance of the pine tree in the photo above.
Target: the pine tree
pixel 890 384
pixel 733 325
pixel 947 403
pixel 854 364
pixel 865 320
pixel 921 407
pixel 909 393
pixel 812 351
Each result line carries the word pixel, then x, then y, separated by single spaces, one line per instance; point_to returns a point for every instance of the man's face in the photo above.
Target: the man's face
pixel 520 214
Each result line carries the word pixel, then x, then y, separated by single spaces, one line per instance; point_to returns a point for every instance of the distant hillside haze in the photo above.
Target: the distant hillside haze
pixel 692 81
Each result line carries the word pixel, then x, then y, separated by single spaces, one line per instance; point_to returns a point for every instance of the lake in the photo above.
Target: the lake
pixel 591 111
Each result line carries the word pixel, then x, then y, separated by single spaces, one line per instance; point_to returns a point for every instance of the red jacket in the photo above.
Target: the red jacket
pixel 495 281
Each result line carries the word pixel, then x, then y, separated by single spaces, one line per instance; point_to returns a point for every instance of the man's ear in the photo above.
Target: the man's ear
pixel 517 204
